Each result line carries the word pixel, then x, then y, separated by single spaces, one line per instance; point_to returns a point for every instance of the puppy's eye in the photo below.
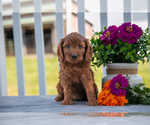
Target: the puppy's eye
pixel 80 46
pixel 68 46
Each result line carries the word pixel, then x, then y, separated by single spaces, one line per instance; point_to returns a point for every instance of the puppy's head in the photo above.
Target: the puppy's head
pixel 74 48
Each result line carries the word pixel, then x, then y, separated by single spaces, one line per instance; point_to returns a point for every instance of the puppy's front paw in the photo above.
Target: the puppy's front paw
pixel 67 102
pixel 59 98
pixel 95 103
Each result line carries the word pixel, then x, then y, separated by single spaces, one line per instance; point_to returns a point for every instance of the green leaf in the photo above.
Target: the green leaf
pixel 92 40
pixel 129 46
pixel 101 47
pixel 92 59
pixel 95 63
pixel 96 33
pixel 133 51
pixel 148 59
pixel 105 57
pixel 139 85
pixel 128 55
pixel 107 53
pixel 115 46
pixel 147 90
pixel 132 59
pixel 121 50
pixel 96 48
pixel 112 51
pixel 147 30
pixel 139 91
pixel 109 47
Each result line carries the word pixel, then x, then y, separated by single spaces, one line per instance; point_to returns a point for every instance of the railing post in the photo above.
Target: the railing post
pixel 103 13
pixel 59 20
pixel 81 17
pixel 18 47
pixel 39 41
pixel 127 10
pixel 148 5
pixel 103 21
pixel 68 16
pixel 3 74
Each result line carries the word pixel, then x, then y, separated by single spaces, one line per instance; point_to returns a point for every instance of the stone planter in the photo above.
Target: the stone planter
pixel 131 69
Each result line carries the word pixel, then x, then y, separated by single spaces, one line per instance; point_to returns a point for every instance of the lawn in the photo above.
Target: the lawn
pixel 52 69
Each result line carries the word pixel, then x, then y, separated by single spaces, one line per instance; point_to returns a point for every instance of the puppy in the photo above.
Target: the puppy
pixel 76 79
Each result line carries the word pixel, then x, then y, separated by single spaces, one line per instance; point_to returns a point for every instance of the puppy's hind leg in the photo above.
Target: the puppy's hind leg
pixel 60 92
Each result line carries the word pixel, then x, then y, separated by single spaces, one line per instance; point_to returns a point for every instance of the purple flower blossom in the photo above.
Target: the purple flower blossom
pixel 109 36
pixel 117 85
pixel 128 32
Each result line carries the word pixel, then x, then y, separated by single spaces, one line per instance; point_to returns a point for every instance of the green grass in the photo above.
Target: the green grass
pixel 51 66
pixel 31 76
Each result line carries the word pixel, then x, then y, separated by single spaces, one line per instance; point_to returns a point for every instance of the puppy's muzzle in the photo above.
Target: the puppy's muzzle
pixel 74 56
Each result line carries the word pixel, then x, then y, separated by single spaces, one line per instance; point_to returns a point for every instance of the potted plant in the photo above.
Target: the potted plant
pixel 120 49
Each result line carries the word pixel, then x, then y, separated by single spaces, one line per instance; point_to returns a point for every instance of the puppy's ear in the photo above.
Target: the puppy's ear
pixel 60 52
pixel 88 51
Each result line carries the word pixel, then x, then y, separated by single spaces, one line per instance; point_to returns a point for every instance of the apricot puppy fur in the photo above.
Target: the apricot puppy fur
pixel 76 79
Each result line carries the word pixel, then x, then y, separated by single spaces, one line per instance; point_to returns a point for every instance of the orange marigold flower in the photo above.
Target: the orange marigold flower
pixel 106 85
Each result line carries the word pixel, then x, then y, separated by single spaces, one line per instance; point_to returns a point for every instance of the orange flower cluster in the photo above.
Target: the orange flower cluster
pixel 105 97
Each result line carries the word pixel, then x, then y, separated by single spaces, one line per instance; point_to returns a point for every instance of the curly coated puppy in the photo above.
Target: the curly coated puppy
pixel 76 80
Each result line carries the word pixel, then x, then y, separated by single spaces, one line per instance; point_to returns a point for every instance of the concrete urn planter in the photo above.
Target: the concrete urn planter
pixel 131 69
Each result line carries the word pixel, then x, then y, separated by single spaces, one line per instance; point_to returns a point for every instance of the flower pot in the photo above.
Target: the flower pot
pixel 130 69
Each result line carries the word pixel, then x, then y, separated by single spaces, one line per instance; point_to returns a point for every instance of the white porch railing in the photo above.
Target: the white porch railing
pixel 39 38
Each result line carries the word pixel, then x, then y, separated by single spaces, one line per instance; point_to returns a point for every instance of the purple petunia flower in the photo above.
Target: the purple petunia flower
pixel 128 32
pixel 109 36
pixel 117 85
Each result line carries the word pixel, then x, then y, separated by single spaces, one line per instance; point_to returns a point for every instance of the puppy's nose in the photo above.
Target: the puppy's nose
pixel 74 56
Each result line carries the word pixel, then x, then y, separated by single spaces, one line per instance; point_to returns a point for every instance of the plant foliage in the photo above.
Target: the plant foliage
pixel 138 94
pixel 122 52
